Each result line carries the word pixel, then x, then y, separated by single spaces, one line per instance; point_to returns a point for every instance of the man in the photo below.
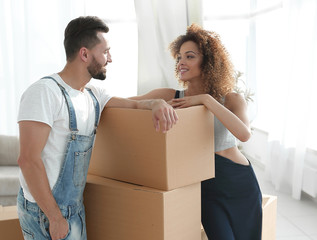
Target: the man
pixel 57 119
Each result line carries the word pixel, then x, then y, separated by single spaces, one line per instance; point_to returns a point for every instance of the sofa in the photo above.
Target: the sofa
pixel 9 170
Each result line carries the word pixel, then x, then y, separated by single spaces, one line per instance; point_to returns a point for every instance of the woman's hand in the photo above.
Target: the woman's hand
pixel 188 101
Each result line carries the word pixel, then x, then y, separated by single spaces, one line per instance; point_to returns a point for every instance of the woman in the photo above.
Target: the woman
pixel 231 202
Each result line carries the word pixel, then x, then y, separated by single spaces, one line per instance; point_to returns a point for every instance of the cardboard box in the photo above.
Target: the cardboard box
pixel 203 234
pixel 128 148
pixel 118 211
pixel 9 224
pixel 269 205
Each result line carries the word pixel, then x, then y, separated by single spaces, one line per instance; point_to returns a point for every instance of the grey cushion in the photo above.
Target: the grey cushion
pixel 9 150
pixel 9 181
pixel 8 200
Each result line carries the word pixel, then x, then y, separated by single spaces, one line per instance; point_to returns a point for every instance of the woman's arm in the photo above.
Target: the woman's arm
pixel 161 93
pixel 232 115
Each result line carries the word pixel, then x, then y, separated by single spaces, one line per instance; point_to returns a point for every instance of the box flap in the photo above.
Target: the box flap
pixel 267 200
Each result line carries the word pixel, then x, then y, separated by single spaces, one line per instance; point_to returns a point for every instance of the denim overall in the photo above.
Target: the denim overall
pixel 69 188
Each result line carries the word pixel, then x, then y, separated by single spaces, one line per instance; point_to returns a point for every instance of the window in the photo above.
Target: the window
pixel 123 39
pixel 266 40
pixel 229 19
pixel 31 44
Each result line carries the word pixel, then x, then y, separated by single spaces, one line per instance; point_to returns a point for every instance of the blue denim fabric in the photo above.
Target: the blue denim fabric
pixel 69 188
pixel 35 225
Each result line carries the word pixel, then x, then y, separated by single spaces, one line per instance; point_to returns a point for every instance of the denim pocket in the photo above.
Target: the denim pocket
pixel 81 162
pixel 28 221
pixel 28 235
pixel 81 215
pixel 45 226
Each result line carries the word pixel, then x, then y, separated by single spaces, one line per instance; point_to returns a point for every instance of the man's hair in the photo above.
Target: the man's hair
pixel 82 32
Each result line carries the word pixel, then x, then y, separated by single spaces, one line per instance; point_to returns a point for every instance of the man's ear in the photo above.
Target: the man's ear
pixel 83 53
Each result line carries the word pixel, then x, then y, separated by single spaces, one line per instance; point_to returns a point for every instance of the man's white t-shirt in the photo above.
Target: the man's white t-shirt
pixel 44 102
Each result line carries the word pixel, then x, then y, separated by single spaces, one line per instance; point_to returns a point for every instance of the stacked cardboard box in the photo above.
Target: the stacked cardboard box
pixel 128 148
pixel 144 184
pixel 9 223
pixel 116 210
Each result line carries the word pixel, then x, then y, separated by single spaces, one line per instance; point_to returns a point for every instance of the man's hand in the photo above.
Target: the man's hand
pixel 58 229
pixel 163 115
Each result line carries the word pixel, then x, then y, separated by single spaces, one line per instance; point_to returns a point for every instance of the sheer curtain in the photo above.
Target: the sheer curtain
pixel 274 43
pixel 287 95
pixel 31 46
pixel 159 23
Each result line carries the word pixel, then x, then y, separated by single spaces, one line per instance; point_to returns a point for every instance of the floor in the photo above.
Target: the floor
pixel 296 220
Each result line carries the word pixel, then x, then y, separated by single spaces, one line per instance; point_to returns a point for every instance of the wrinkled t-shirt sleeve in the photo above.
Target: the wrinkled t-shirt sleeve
pixel 39 103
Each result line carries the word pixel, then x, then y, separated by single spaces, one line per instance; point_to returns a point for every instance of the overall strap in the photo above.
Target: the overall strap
pixel 70 107
pixel 97 107
pixel 179 94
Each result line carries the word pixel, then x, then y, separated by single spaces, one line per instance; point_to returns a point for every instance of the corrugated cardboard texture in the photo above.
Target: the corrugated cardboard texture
pixel 9 224
pixel 119 211
pixel 269 206
pixel 128 148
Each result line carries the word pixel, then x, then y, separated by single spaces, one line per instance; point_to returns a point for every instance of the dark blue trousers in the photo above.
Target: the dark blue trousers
pixel 231 202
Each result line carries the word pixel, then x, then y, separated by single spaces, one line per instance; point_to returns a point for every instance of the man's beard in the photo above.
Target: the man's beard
pixel 96 71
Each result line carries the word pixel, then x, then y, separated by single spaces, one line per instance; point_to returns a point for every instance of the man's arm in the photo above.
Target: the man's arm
pixel 33 137
pixel 162 113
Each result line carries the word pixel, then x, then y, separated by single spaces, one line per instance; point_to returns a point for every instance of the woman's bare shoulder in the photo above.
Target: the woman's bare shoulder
pixel 234 100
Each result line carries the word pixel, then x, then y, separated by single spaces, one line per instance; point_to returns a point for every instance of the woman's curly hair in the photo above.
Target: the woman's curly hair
pixel 218 72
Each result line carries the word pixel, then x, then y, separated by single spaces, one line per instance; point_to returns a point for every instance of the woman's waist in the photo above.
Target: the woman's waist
pixel 234 155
